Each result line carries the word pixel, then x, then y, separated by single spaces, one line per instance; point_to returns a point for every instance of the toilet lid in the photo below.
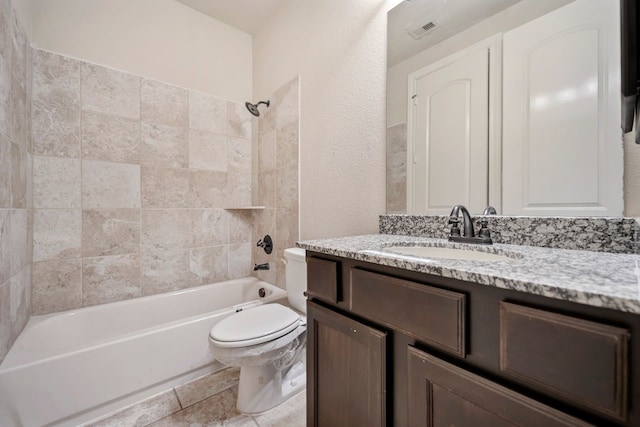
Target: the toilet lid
pixel 254 326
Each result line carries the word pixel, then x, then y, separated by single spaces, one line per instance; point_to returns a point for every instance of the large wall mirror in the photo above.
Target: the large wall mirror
pixel 509 103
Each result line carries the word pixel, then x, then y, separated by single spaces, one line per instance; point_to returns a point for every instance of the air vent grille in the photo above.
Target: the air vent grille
pixel 421 31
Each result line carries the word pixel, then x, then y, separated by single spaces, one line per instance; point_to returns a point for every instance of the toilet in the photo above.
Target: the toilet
pixel 268 343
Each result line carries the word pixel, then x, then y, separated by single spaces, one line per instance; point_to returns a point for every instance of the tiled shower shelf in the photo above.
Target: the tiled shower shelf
pixel 237 208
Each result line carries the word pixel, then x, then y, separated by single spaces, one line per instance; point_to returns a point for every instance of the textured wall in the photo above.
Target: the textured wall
pixel 15 178
pixel 276 179
pixel 160 39
pixel 339 50
pixel 130 178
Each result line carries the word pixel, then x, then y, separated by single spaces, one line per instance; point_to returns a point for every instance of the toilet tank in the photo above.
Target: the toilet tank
pixel 296 278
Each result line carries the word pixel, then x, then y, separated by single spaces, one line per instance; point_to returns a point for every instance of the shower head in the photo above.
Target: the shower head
pixel 253 108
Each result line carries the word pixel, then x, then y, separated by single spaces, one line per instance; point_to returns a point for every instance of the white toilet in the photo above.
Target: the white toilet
pixel 268 343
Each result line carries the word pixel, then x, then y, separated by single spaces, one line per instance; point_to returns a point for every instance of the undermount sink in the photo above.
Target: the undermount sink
pixel 448 253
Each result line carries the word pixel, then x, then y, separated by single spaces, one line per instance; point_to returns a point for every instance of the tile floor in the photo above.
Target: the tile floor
pixel 219 410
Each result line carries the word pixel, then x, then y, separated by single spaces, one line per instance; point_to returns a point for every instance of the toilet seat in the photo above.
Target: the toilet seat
pixel 254 326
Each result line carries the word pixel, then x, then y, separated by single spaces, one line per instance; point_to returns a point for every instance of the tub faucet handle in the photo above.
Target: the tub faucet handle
pixel 266 243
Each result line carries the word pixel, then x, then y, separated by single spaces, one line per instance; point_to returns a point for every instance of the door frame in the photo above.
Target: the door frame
pixel 493 45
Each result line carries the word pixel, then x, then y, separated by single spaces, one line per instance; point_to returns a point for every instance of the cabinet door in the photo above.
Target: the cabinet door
pixel 444 395
pixel 346 376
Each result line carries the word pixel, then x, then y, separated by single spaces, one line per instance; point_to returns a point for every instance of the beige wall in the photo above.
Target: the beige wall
pixel 339 50
pixel 160 39
pixel 15 178
pixel 631 176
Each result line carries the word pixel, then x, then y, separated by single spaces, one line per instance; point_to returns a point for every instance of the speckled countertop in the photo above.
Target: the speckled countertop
pixel 592 278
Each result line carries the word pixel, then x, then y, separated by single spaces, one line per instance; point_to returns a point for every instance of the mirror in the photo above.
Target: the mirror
pixel 551 132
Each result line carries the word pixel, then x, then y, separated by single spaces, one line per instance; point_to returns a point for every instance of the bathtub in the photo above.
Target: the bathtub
pixel 70 367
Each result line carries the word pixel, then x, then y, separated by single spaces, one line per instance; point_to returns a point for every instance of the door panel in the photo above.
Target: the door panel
pixel 451 140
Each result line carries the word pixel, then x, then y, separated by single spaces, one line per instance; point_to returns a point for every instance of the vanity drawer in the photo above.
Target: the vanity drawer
pixel 579 361
pixel 431 315
pixel 323 278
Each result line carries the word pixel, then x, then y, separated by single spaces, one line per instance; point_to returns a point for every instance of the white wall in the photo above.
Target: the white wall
pixel 338 48
pixel 160 39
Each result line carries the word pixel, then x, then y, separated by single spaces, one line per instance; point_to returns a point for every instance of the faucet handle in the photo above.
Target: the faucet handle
pixel 484 233
pixel 455 229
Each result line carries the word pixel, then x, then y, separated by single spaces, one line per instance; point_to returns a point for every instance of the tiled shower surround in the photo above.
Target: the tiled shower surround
pixel 276 143
pixel 15 178
pixel 131 178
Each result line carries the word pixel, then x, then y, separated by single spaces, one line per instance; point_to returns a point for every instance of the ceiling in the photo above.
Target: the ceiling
pixel 450 17
pixel 245 15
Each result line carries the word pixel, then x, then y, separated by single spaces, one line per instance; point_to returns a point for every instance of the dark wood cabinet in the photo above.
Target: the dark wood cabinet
pixel 444 395
pixel 433 351
pixel 347 363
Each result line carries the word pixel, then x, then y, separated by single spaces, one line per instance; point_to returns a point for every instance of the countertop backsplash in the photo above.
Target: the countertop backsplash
pixel 600 234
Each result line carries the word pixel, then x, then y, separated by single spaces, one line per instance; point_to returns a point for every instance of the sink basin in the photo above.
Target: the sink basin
pixel 447 253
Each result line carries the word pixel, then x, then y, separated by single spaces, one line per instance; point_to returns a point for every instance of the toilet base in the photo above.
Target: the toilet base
pixel 260 388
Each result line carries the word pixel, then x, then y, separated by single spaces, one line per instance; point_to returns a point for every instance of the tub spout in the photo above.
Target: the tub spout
pixel 264 266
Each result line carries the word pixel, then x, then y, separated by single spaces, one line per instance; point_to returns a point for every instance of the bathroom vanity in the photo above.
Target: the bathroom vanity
pixel 541 337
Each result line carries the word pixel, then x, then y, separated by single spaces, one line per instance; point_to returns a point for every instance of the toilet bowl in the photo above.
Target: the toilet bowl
pixel 268 343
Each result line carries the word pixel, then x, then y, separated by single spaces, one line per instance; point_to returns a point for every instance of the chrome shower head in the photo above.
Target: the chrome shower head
pixel 253 108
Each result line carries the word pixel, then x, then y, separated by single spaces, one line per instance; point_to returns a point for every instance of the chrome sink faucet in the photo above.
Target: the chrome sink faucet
pixel 469 236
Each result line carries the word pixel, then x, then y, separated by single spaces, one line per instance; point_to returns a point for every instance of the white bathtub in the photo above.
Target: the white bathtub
pixel 69 367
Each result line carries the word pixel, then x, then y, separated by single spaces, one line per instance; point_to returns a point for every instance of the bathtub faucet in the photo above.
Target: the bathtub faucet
pixel 264 266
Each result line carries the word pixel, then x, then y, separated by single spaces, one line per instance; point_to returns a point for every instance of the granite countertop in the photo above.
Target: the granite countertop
pixel 592 278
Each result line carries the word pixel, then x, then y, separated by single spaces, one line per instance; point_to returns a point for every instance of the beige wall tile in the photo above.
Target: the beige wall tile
pixel 208 227
pixel 208 189
pixel 18 109
pixel 267 152
pixel 110 185
pixel 56 234
pixel 267 120
pixel 287 187
pixel 18 176
pixel 19 48
pixel 13 243
pixel 164 187
pixel 165 271
pixel 164 229
pixel 207 151
pixel 266 189
pixel 240 260
pixel 56 182
pixel 112 138
pixel 110 279
pixel 6 9
pixel 20 301
pixel 5 91
pixel 239 155
pixel 5 172
pixel 206 386
pixel 264 222
pixel 164 104
pixel 110 232
pixel 29 168
pixel 5 319
pixel 105 90
pixel 287 145
pixel 288 103
pixel 238 190
pixel 207 113
pixel 287 227
pixel 240 227
pixel 208 265
pixel 56 105
pixel 5 250
pixel 56 286
pixel 142 413
pixel 238 120
pixel 164 145
pixel 396 181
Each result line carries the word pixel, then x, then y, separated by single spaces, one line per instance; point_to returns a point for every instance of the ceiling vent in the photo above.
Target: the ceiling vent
pixel 417 32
